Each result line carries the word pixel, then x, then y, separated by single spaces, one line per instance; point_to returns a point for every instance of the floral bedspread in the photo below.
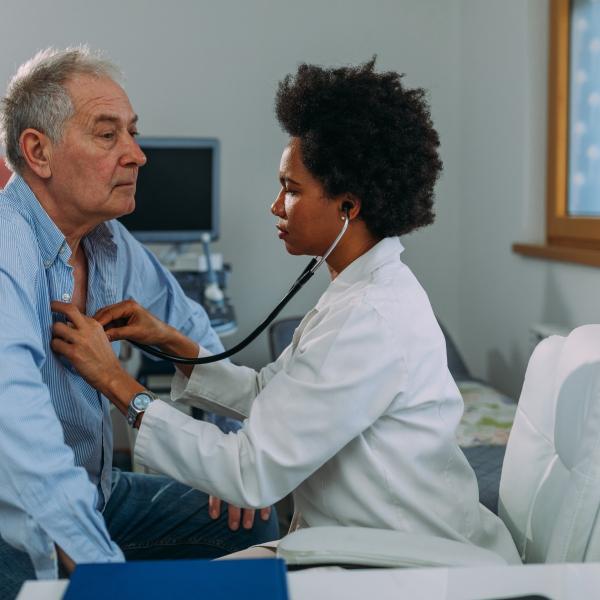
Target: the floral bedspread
pixel 488 415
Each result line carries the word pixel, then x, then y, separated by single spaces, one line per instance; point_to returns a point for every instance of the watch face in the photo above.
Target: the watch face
pixel 142 401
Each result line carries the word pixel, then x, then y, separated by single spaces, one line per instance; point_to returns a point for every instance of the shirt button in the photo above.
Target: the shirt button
pixel 66 297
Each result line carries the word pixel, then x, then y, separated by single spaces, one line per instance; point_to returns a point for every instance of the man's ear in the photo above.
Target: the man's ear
pixel 36 148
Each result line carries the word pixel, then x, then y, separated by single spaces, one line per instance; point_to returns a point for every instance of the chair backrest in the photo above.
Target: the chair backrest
pixel 280 335
pixel 550 484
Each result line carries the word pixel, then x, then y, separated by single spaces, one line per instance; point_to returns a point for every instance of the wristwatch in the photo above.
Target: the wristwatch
pixel 139 403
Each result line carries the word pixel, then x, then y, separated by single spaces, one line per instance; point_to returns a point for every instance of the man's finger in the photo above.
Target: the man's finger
pixel 64 332
pixel 61 347
pixel 265 513
pixel 69 310
pixel 233 519
pixel 248 518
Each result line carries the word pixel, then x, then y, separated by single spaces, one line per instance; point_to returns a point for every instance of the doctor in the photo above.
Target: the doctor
pixel 358 415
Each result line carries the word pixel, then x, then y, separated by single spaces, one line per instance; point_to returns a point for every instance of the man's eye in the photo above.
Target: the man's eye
pixel 107 135
pixel 134 133
pixel 290 192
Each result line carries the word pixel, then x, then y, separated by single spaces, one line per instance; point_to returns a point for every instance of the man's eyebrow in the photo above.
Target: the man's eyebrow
pixel 113 118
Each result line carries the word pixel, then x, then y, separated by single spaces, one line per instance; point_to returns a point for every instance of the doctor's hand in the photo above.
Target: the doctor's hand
pixel 82 341
pixel 128 320
pixel 236 515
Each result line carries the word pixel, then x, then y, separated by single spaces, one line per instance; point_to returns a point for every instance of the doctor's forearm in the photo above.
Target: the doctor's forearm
pixel 181 345
pixel 120 387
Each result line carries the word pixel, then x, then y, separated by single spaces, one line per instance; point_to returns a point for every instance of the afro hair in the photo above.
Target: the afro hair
pixel 363 133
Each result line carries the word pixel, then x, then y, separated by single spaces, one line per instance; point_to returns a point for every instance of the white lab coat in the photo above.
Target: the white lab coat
pixel 357 417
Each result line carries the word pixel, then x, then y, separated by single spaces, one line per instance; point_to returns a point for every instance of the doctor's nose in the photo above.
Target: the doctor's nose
pixel 278 207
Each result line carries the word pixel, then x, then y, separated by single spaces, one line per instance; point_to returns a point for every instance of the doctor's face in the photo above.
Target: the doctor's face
pixel 307 219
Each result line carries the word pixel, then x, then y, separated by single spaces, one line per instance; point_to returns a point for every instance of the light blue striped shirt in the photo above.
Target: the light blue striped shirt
pixel 55 430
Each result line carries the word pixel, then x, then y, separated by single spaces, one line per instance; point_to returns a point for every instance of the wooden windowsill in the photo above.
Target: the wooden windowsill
pixel 582 256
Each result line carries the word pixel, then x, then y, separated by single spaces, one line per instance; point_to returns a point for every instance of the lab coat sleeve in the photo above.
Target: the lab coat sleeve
pixel 338 383
pixel 223 388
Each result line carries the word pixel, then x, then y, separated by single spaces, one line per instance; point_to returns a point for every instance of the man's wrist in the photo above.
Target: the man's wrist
pixel 65 564
pixel 122 389
pixel 140 402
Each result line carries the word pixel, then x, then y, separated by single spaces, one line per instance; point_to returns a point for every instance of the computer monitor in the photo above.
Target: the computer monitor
pixel 177 195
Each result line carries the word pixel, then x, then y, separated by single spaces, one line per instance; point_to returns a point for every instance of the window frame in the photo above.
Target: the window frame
pixel 568 237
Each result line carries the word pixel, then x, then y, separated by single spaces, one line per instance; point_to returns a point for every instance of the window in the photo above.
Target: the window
pixel 573 167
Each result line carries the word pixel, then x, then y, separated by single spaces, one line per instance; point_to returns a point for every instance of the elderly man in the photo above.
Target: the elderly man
pixel 69 133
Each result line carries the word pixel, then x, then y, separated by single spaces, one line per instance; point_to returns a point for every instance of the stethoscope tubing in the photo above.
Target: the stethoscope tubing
pixel 306 274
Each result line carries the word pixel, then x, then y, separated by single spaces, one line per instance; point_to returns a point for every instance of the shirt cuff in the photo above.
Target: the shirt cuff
pixel 147 450
pixel 180 382
pixel 220 387
pixel 42 551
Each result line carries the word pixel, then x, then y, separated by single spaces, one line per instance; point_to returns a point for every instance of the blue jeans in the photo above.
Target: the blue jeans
pixel 152 517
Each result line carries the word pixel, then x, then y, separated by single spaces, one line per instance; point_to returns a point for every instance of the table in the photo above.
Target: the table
pixel 558 582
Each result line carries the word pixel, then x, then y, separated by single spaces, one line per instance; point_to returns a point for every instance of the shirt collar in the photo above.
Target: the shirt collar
pixel 51 240
pixel 387 250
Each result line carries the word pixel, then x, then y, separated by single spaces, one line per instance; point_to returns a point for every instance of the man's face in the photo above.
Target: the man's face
pixel 94 167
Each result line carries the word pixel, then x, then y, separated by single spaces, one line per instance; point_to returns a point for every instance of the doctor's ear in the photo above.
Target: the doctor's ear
pixel 350 206
pixel 36 150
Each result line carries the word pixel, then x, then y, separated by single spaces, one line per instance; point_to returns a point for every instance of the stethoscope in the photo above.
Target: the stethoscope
pixel 308 272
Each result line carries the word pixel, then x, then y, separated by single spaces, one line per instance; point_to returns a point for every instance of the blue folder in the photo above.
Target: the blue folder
pixel 180 579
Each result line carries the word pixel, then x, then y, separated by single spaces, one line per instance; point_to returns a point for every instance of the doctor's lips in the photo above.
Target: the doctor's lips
pixel 282 231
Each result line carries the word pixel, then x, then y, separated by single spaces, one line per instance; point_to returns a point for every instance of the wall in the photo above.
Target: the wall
pixel 207 68
pixel 503 81
pixel 210 69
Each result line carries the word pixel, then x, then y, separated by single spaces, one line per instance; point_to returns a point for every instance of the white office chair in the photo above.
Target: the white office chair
pixel 550 484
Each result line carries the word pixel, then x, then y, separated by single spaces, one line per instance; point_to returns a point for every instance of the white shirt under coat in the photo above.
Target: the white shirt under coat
pixel 357 417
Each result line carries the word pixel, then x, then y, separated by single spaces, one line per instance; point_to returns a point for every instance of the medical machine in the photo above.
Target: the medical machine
pixel 177 203
pixel 177 194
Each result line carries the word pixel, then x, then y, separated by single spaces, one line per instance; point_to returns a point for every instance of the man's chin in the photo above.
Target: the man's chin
pixel 129 209
pixel 126 204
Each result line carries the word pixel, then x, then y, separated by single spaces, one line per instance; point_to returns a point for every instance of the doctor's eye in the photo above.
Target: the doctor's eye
pixel 107 135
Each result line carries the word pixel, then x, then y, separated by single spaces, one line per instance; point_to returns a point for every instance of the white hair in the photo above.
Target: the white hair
pixel 37 98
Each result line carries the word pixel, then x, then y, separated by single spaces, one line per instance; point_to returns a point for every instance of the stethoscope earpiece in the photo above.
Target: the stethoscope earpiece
pixel 346 208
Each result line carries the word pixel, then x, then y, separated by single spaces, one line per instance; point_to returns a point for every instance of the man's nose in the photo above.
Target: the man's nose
pixel 133 154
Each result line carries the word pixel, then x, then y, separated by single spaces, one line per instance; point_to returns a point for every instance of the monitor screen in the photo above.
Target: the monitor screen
pixel 177 196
